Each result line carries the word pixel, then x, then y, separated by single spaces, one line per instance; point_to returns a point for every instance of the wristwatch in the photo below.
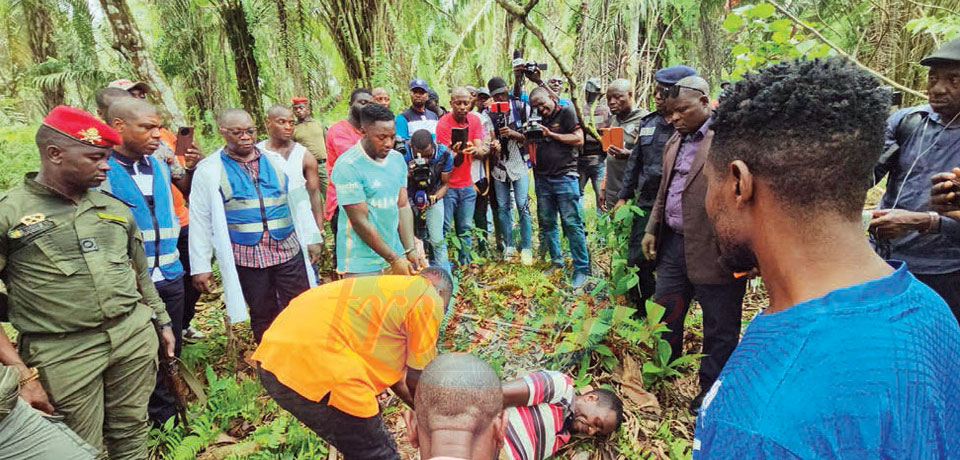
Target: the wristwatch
pixel 934 225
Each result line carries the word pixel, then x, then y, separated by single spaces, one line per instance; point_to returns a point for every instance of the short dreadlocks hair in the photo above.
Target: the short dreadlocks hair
pixel 812 130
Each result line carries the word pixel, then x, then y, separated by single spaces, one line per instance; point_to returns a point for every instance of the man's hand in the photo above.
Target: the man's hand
pixel 602 201
pixel 32 392
pixel 893 223
pixel 191 157
pixel 534 76
pixel 508 133
pixel 547 133
pixel 315 251
pixel 417 261
pixel 470 149
pixel 400 266
pixel 945 194
pixel 649 246
pixel 169 341
pixel 617 206
pixel 618 153
pixel 203 282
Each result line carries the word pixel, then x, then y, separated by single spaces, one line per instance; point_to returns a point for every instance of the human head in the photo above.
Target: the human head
pixel 483 98
pixel 592 90
pixel 473 95
pixel 460 103
pixel 376 125
pixel 106 97
pixel 667 77
pixel 498 89
pixel 301 108
pixel 943 81
pixel 544 102
pixel 433 102
pixel 459 409
pixel 358 99
pixel 796 140
pixel 418 93
pixel 724 85
pixel 238 131
pixel 421 142
pixel 691 107
pixel 556 84
pixel 136 89
pixel 138 123
pixel 597 413
pixel 381 96
pixel 74 147
pixel 279 123
pixel 441 281
pixel 620 97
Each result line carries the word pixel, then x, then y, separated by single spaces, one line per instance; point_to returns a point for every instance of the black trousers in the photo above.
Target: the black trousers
pixel 647 286
pixel 333 227
pixel 190 294
pixel 480 222
pixel 721 305
pixel 357 438
pixel 162 404
pixel 948 286
pixel 269 290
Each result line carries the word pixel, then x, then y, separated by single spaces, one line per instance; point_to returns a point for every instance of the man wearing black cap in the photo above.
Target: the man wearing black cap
pixel 590 164
pixel 433 103
pixel 922 141
pixel 417 117
pixel 642 176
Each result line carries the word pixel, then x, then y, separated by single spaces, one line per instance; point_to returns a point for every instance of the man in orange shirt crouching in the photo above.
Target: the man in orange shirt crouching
pixel 334 348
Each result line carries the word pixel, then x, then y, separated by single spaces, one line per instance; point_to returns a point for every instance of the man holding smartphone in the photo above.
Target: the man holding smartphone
pixel 462 132
pixel 557 185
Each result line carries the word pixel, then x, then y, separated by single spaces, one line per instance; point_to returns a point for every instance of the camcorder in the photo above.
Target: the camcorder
pixel 532 129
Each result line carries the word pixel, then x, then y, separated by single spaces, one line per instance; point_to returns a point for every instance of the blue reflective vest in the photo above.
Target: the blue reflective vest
pixel 159 226
pixel 252 207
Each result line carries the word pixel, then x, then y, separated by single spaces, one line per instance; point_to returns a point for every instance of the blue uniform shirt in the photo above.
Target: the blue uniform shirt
pixel 866 372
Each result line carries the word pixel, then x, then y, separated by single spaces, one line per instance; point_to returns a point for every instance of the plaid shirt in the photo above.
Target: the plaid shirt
pixel 268 251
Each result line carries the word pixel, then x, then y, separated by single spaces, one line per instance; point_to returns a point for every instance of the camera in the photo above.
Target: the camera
pixel 419 180
pixel 399 144
pixel 532 129
pixel 532 66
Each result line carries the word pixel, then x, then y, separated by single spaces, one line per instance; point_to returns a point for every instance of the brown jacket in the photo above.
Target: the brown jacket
pixel 699 239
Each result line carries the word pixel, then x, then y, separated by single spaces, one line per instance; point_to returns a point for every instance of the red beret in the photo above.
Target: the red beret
pixel 81 126
pixel 299 100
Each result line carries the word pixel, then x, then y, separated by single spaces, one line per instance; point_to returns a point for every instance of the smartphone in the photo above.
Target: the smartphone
pixel 611 137
pixel 184 140
pixel 500 107
pixel 458 135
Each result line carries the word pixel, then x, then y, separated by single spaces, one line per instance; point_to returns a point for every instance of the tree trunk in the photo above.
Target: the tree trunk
pixel 291 49
pixel 129 42
pixel 245 66
pixel 42 46
pixel 351 24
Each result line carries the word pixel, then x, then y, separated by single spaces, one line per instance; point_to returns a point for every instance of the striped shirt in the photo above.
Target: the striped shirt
pixel 537 430
pixel 268 251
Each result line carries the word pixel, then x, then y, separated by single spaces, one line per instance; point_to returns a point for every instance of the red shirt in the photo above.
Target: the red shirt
pixel 340 137
pixel 460 177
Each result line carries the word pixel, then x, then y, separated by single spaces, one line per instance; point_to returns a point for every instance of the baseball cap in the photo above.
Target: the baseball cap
pixel 481 91
pixel 419 83
pixel 127 85
pixel 592 86
pixel 497 85
pixel 947 54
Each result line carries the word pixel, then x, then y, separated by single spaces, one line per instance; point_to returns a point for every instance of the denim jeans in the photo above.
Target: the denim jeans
pixel 458 206
pixel 521 191
pixel 561 194
pixel 594 175
pixel 435 223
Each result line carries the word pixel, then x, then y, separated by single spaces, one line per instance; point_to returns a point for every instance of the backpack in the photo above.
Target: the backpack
pixel 901 134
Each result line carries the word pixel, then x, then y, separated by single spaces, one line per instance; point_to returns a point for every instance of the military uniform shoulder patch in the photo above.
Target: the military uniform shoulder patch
pixel 112 217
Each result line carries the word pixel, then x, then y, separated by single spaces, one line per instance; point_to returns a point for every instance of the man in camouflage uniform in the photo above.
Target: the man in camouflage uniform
pixel 79 292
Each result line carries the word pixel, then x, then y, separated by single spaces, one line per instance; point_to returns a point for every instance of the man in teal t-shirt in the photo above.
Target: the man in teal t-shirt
pixel 371 183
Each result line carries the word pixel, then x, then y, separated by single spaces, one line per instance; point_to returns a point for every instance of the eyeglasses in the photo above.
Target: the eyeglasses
pixel 671 92
pixel 240 132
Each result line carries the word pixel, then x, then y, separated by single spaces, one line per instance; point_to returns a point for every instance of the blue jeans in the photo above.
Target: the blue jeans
pixel 561 194
pixel 594 175
pixel 521 190
pixel 458 206
pixel 435 223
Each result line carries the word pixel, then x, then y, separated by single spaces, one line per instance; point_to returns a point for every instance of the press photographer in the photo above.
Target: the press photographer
pixel 556 182
pixel 428 178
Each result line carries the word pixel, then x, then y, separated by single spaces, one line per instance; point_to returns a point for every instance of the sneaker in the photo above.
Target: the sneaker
pixel 509 252
pixel 579 279
pixel 193 334
pixel 554 268
pixel 526 257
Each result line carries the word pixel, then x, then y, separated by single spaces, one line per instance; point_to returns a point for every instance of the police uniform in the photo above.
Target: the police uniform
pixel 641 179
pixel 80 295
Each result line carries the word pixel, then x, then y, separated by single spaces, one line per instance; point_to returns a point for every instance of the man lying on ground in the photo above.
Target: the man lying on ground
pixel 543 411
pixel 853 357
pixel 329 354
pixel 459 410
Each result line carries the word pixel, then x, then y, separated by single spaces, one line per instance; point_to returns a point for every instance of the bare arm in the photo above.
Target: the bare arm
pixel 516 393
pixel 191 158
pixel 313 188
pixel 444 186
pixel 360 221
pixel 406 220
pixel 575 138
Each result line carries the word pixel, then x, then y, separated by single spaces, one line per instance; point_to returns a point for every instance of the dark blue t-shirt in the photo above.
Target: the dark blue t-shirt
pixel 866 372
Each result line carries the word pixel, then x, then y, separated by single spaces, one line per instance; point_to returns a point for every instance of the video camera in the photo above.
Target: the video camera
pixel 532 129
